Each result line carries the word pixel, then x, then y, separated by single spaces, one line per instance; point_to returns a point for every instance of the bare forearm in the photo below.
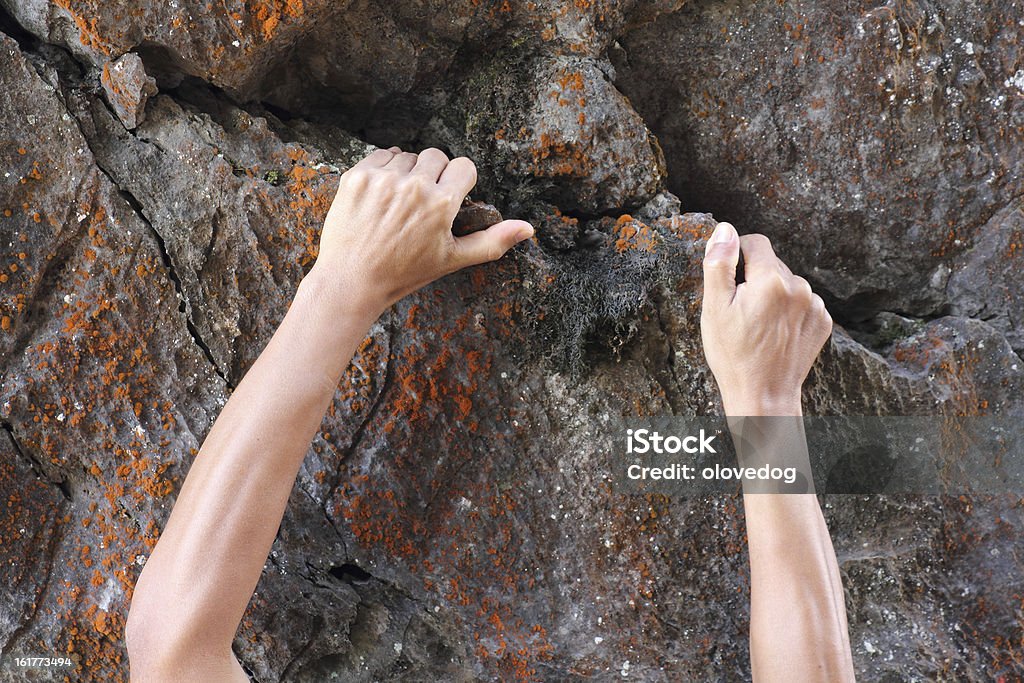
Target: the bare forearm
pixel 798 627
pixel 797 615
pixel 761 337
pixel 388 233
pixel 204 569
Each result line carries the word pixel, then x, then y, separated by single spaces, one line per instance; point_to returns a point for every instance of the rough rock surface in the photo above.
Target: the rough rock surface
pixel 128 86
pixel 452 520
pixel 873 141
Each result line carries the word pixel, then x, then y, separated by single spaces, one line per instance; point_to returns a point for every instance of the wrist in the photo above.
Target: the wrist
pixel 325 323
pixel 342 295
pixel 762 404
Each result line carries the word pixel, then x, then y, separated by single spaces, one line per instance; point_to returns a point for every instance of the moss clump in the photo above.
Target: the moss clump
pixel 584 303
pixel 274 177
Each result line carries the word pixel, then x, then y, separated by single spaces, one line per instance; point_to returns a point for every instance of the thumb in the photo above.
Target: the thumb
pixel 721 256
pixel 490 244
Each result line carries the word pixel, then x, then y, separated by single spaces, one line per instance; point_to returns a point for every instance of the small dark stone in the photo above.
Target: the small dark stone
pixel 474 216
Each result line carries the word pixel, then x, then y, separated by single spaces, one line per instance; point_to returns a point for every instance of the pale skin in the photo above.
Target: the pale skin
pixel 760 339
pixel 387 234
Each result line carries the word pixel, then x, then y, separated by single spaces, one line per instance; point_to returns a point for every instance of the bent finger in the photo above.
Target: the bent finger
pixel 784 269
pixel 800 288
pixel 459 176
pixel 431 163
pixel 375 159
pixel 402 162
pixel 759 259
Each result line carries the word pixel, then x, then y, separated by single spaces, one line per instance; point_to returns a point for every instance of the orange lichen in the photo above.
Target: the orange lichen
pixel 556 157
pixel 633 235
pixel 268 14
pixel 87 30
pixel 93 375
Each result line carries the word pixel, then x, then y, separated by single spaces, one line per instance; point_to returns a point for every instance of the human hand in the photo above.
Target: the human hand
pixel 388 231
pixel 760 337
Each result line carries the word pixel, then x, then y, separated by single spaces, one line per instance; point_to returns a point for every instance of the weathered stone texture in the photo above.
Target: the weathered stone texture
pixel 872 141
pixel 452 520
pixel 127 87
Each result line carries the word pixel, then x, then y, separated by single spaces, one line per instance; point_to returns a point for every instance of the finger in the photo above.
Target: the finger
pixel 431 163
pixel 375 159
pixel 402 162
pixel 490 244
pixel 759 259
pixel 459 176
pixel 721 255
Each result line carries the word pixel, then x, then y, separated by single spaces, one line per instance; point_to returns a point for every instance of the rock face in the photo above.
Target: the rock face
pixel 873 143
pixel 453 519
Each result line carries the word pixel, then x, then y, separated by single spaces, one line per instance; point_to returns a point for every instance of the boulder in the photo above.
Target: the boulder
pixel 454 518
pixel 873 144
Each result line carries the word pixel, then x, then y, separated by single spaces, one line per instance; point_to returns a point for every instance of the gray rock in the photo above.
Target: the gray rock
pixel 453 518
pixel 553 129
pixel 873 144
pixel 127 87
pixel 104 394
pixel 987 280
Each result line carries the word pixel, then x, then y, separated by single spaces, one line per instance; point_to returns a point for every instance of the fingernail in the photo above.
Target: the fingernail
pixel 724 232
pixel 524 233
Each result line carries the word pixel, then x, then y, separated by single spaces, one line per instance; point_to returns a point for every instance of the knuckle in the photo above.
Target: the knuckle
pixel 495 251
pixel 826 320
pixel 417 182
pixel 801 288
pixel 355 173
pixel 445 199
pixel 776 282
pixel 416 186
pixel 821 313
pixel 757 239
pixel 357 177
pixel 435 152
pixel 715 262
pixel 467 164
